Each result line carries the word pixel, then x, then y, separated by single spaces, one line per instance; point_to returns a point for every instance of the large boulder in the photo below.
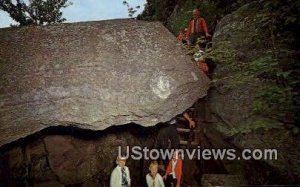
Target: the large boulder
pixel 93 75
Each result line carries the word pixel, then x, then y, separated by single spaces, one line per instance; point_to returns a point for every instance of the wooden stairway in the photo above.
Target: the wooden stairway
pixel 192 139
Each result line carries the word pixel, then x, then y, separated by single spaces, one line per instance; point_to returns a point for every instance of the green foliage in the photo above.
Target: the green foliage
pixel 38 12
pixel 254 126
pixel 285 12
pixel 277 69
pixel 223 53
pixel 250 127
pixel 158 10
pixel 177 13
pixel 179 21
pixel 275 98
pixel 274 101
pixel 131 10
pixel 296 130
pixel 269 68
pixel 181 16
pixel 209 10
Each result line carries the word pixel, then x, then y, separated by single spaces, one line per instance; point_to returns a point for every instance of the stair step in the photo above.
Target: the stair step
pixel 184 130
pixel 184 142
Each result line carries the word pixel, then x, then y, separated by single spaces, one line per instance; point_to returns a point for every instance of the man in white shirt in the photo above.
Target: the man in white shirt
pixel 120 177
pixel 153 178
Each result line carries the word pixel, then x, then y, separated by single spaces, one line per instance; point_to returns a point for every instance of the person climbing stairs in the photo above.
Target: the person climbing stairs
pixel 188 134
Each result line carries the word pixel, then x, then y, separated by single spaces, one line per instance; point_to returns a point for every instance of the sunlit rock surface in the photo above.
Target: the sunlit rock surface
pixel 93 75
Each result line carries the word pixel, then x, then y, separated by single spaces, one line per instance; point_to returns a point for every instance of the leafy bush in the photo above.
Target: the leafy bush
pixel 251 127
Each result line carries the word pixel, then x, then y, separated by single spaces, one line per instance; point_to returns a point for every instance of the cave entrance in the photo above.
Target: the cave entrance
pixel 70 156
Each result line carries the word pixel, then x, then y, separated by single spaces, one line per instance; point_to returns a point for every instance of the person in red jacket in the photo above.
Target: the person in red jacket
pixel 197 27
pixel 182 36
pixel 174 171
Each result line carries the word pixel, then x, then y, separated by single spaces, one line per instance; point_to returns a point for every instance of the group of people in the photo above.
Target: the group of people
pixel 197 29
pixel 120 176
pixel 168 138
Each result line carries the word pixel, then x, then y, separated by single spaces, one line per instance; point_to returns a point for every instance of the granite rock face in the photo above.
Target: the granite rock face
pixel 93 75
pixel 74 157
pixel 232 101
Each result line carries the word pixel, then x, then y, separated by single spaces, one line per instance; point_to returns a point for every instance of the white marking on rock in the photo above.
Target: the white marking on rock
pixel 194 76
pixel 161 86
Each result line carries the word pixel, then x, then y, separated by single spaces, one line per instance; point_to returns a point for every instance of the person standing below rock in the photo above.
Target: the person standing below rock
pixel 120 177
pixel 197 27
pixel 174 171
pixel 153 178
